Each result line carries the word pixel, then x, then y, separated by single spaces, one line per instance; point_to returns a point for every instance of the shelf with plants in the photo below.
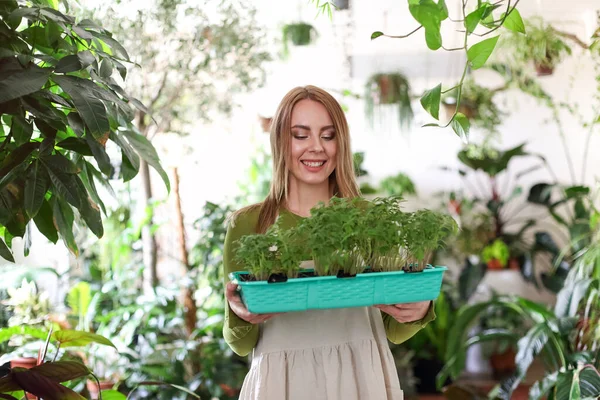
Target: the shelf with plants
pixel 364 253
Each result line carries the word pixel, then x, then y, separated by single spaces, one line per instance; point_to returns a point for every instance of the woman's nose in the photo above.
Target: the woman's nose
pixel 316 145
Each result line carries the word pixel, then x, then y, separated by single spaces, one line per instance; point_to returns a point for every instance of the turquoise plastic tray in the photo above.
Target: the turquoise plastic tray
pixel 300 294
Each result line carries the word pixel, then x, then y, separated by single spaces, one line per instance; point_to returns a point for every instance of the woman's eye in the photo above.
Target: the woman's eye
pixel 328 137
pixel 300 137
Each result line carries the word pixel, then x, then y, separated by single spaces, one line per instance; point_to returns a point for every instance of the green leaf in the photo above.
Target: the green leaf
pixel 60 163
pixel 89 210
pixel 443 9
pixel 65 185
pixel 433 37
pixel 88 181
pixel 17 157
pixel 100 155
pixel 148 153
pixel 86 58
pixel 576 191
pixel 35 383
pixel 36 187
pixel 541 388
pixel 82 33
pixel 22 330
pixel 79 298
pixel 474 17
pixel 20 129
pixel 460 124
pixel 5 252
pixel 514 22
pixel 540 193
pixel 45 222
pixel 113 395
pixel 91 110
pixel 62 371
pixel 19 84
pixel 106 68
pixel 70 63
pixel 375 35
pixel 430 15
pixel 589 380
pixel 76 123
pixel 431 101
pixel 73 338
pixel 114 45
pixel 130 160
pixel 479 53
pixel 77 145
pixel 63 220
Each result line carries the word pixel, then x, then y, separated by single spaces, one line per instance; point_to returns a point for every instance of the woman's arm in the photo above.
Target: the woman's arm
pixel 398 332
pixel 240 335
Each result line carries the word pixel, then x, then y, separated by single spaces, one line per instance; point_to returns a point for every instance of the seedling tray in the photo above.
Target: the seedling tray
pixel 323 292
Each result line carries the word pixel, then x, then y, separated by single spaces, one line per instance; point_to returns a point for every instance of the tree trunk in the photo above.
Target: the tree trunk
pixel 187 293
pixel 148 238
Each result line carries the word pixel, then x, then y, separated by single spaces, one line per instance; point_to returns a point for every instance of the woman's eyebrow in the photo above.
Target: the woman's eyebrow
pixel 298 126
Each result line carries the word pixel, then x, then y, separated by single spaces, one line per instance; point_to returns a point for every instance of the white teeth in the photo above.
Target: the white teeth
pixel 313 164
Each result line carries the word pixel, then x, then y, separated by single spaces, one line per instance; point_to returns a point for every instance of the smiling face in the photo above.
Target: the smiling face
pixel 313 144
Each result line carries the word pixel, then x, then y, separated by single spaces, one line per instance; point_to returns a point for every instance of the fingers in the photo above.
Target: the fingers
pixel 407 312
pixel 238 307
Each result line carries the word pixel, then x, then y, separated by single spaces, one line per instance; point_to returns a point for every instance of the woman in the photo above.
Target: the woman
pixel 317 354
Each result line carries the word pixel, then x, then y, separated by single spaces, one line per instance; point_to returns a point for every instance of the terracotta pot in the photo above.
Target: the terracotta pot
pixel 25 362
pixel 494 265
pixel 543 70
pixel 503 364
pixel 92 387
pixel 384 89
pixel 513 263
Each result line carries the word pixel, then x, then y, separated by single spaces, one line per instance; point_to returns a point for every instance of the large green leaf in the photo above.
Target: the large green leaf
pixel 35 383
pixel 45 222
pixel 131 161
pixel 69 63
pixel 113 395
pixel 77 145
pixel 145 150
pixel 479 53
pixel 63 220
pixel 73 338
pixel 429 14
pixel 88 181
pixel 62 371
pixel 541 388
pixel 17 157
pixel 65 185
pixel 461 126
pixel 529 346
pixel 473 18
pixel 23 83
pixel 100 155
pixel 36 187
pixel 5 251
pixel 20 129
pixel 89 210
pixel 589 380
pixel 89 107
pixel 79 298
pixel 514 22
pixel 60 163
pixel 567 301
pixel 431 101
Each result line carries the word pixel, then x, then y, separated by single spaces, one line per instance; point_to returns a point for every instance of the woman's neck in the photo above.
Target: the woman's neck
pixel 302 197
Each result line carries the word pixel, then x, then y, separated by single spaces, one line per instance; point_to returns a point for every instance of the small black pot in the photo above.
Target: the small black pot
pixel 426 370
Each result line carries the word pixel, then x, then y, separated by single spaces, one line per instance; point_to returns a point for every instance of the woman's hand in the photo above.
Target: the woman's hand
pixel 238 307
pixel 406 312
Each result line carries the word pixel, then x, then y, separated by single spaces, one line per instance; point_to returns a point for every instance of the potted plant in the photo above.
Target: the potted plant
pixel 349 238
pixel 398 185
pixel 477 104
pixel 542 45
pixel 299 33
pixel 483 218
pixel 389 89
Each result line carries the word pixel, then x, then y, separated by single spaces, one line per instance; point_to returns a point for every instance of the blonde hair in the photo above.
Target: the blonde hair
pixel 343 177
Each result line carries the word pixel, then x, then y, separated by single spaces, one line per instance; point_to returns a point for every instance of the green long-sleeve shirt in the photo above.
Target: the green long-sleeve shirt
pixel 242 336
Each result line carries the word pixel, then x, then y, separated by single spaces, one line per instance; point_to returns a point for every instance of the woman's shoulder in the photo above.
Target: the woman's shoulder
pixel 245 218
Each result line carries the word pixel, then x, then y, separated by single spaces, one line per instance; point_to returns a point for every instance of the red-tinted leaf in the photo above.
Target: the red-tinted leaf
pixel 41 386
pixel 62 371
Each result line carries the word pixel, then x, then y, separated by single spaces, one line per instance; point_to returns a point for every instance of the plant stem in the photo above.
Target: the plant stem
pixel 508 11
pixel 586 150
pixel 564 144
pixel 57 351
pixel 6 141
pixel 403 36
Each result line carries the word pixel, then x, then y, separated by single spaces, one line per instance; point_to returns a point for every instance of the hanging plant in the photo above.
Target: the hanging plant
pixel 341 4
pixel 300 34
pixel 477 104
pixel 386 89
pixel 542 45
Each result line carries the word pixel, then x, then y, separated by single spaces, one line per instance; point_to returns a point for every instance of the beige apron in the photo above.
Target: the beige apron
pixel 337 354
